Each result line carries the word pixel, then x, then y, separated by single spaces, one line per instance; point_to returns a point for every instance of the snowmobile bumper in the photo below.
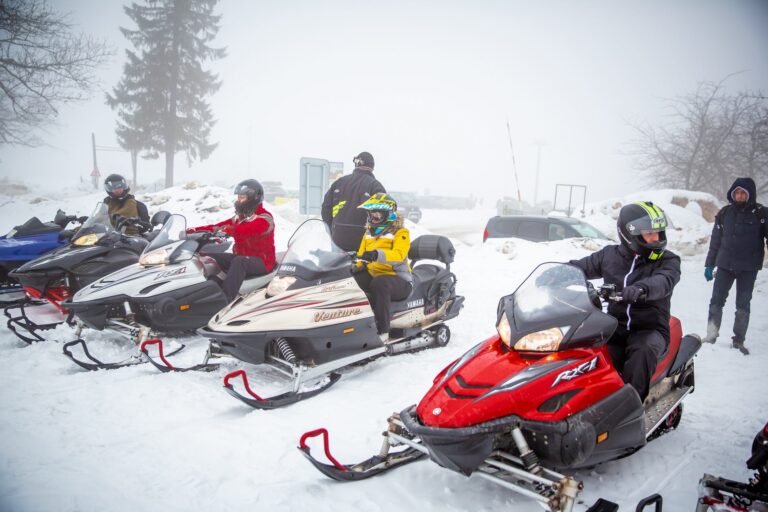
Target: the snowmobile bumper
pixel 570 443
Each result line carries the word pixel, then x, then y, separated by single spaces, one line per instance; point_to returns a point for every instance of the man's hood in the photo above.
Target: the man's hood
pixel 747 184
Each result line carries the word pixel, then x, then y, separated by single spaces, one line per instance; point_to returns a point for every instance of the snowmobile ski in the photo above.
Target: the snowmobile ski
pixel 96 364
pixel 277 401
pixel 361 470
pixel 20 324
pixel 166 365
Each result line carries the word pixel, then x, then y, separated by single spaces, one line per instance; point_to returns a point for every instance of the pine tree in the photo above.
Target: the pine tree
pixel 161 98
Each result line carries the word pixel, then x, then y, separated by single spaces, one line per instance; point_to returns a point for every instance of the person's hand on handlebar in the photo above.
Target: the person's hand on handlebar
pixel 632 293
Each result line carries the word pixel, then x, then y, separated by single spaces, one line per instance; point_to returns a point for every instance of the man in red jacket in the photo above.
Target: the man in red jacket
pixel 254 232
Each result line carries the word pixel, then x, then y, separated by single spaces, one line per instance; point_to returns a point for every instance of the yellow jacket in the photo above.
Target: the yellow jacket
pixel 392 245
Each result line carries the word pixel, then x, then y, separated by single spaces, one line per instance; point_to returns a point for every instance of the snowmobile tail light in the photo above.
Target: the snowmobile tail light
pixel 279 285
pixel 156 257
pixel 547 340
pixel 87 239
pixel 504 330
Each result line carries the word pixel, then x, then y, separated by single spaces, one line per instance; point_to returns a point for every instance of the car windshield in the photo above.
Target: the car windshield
pixel 311 247
pixel 585 229
pixel 98 222
pixel 174 229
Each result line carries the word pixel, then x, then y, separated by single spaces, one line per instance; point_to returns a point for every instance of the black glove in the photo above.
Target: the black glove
pixel 369 256
pixel 632 293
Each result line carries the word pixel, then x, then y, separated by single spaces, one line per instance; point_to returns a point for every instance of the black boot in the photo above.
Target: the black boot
pixel 714 320
pixel 740 325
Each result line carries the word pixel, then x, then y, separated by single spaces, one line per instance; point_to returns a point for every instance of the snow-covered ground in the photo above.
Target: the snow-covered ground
pixel 136 439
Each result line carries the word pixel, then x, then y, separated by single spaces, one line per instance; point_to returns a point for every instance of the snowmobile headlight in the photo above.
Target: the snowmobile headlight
pixel 87 239
pixel 278 285
pixel 156 257
pixel 547 340
pixel 504 330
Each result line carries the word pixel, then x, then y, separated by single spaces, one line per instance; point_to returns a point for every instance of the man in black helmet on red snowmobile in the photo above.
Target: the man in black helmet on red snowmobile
pixel 121 203
pixel 253 229
pixel 645 274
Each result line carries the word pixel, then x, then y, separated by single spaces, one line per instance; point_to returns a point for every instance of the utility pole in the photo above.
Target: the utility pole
pixel 95 174
pixel 514 167
pixel 538 143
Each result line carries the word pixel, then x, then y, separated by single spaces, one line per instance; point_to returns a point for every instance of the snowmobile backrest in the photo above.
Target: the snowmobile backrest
pixel 432 247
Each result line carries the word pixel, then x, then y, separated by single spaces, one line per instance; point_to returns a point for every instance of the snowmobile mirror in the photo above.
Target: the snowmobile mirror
pixel 61 218
pixel 160 218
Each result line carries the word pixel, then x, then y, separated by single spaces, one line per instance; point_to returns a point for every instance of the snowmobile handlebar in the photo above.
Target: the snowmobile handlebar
pixel 121 223
pixel 608 293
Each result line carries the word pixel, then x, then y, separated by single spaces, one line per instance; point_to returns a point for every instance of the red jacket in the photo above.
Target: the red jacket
pixel 254 235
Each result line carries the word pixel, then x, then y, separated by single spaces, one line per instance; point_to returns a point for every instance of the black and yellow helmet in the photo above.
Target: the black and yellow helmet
pixel 382 211
pixel 638 218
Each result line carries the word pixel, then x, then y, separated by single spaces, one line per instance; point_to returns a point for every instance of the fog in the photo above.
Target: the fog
pixel 427 88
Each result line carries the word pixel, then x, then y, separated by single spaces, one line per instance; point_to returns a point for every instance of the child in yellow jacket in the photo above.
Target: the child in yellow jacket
pixel 384 247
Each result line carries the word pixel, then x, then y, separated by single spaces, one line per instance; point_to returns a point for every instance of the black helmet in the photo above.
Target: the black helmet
pixel 639 217
pixel 364 159
pixel 116 182
pixel 254 192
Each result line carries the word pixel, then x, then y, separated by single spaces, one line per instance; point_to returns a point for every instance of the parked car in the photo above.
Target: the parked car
pixel 406 204
pixel 273 189
pixel 539 228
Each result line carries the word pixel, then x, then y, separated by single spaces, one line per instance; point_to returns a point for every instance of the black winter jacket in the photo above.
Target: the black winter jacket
pixel 740 233
pixel 340 206
pixel 619 266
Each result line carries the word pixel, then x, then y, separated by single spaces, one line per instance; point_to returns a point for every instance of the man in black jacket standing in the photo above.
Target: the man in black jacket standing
pixel 340 206
pixel 646 274
pixel 736 248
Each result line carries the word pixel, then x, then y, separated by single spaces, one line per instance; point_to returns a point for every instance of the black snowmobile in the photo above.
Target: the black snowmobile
pixel 96 250
pixel 723 495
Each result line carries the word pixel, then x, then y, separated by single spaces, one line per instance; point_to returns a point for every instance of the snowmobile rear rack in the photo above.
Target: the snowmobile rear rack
pixel 95 364
pixel 276 401
pixel 166 366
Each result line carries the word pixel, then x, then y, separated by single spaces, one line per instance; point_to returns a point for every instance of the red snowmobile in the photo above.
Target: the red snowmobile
pixel 539 397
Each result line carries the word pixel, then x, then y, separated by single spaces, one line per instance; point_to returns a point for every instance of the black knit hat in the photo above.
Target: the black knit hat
pixel 364 159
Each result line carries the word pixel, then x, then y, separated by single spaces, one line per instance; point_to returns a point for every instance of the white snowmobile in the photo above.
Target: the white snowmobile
pixel 314 319
pixel 174 288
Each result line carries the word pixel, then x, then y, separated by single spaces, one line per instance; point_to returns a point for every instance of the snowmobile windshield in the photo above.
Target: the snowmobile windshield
pixel 95 228
pixel 174 229
pixel 170 244
pixel 311 250
pixel 551 308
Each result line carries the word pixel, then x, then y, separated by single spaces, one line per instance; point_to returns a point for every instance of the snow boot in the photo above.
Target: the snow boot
pixel 713 323
pixel 740 346
pixel 740 325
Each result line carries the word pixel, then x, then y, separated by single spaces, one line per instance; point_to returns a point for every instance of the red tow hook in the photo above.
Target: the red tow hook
pixel 159 343
pixel 241 373
pixel 321 432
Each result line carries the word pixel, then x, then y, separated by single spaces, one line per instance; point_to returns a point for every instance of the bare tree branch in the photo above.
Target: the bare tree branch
pixel 43 64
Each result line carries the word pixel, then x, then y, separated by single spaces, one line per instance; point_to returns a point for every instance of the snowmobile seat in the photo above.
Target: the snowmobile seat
pixel 34 227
